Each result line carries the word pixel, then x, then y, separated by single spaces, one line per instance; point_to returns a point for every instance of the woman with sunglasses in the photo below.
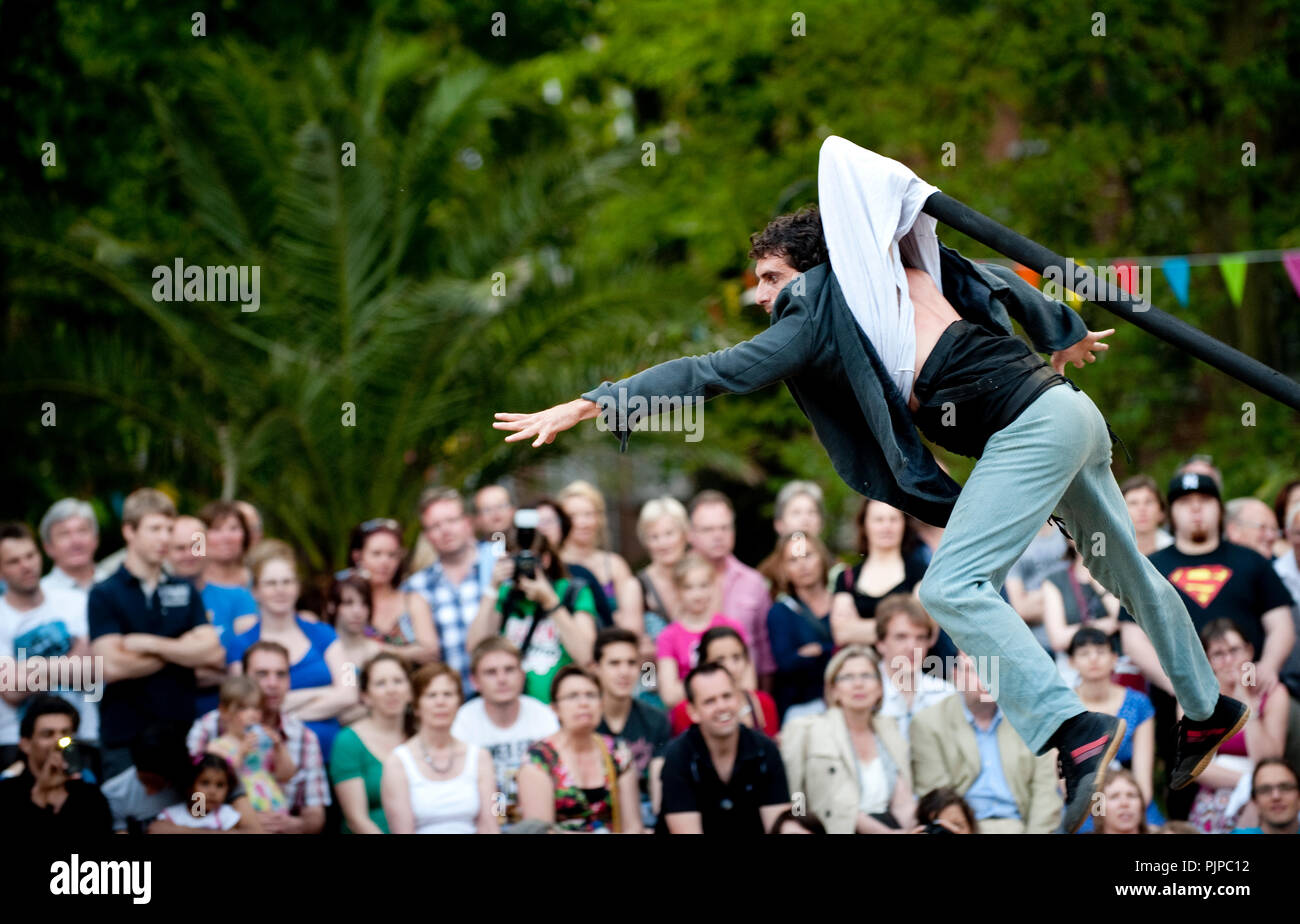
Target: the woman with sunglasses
pixel 400 621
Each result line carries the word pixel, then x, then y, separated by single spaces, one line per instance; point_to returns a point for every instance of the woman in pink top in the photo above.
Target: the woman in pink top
pixel 1264 734
pixel 677 646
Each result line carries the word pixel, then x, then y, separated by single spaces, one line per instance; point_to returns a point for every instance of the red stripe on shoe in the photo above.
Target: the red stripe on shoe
pixel 1194 735
pixel 1089 750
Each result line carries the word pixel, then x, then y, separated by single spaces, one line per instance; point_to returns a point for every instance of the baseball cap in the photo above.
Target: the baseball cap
pixel 1192 483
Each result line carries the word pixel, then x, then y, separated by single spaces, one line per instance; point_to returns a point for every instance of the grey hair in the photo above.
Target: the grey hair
pixel 1234 509
pixel 792 490
pixel 66 509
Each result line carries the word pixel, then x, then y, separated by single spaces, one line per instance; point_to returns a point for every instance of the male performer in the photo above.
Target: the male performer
pixel 872 350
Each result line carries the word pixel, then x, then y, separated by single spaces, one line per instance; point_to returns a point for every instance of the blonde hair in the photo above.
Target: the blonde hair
pixel 688 563
pixel 237 691
pixel 658 509
pixel 836 664
pixel 144 501
pixel 589 492
pixel 267 551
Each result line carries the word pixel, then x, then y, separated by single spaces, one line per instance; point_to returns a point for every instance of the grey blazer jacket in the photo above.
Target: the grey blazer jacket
pixel 815 346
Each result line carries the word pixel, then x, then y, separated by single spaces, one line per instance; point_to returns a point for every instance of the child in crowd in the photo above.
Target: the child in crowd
pixel 257 754
pixel 212 781
pixel 698 595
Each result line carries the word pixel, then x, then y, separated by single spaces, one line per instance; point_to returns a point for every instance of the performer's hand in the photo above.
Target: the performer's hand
pixel 1082 351
pixel 544 425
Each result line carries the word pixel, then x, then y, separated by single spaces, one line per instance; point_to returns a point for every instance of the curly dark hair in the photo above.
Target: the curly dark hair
pixel 798 238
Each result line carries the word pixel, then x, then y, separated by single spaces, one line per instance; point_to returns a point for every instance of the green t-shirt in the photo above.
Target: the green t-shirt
pixel 545 655
pixel 351 759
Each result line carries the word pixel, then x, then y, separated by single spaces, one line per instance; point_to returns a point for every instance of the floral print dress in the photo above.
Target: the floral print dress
pixel 577 809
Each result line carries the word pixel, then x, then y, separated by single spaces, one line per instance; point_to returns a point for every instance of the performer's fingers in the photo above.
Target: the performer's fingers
pixel 521 435
pixel 506 415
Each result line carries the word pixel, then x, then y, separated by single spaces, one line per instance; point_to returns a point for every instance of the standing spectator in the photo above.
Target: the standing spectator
pixel 641 727
pixel 744 597
pixel 577 779
pixel 433 783
pixel 357 765
pixel 152 632
pixel 347 609
pixel 1147 510
pixel 906 631
pixel 1092 659
pixel 455 583
pixel 695 579
pixel 662 528
pixel 1289 571
pixel 555 525
pixel 799 508
pixel 319 688
pixel 1221 789
pixel 724 645
pixel 494 512
pixel 1123 806
pixel 1072 600
pixel 1287 500
pixel 851 763
pixel 720 777
pixel 43 633
pixel 1274 790
pixel 400 620
pixel 799 624
pixel 308 793
pixel 586 545
pixel 46 799
pixel 253 520
pixel 1251 523
pixel 548 618
pixel 70 534
pixel 228 541
pixel 889 566
pixel 963 743
pixel 502 719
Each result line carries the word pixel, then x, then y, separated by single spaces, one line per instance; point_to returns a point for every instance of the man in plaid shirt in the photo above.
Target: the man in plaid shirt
pixel 267 663
pixel 454 584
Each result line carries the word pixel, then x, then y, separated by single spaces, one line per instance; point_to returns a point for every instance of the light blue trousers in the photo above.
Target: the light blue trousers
pixel 1054 458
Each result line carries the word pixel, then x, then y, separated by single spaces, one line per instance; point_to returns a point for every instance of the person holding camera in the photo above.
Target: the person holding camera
pixel 534 603
pixel 48 797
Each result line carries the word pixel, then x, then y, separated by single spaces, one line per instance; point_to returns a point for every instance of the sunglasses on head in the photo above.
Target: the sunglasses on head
pixel 369 526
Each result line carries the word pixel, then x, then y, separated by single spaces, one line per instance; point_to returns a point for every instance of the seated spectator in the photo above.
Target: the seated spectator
pixel 319 691
pixel 258 756
pixel 696 581
pixel 636 724
pixel 501 718
pixel 906 633
pixel 721 777
pixel 347 609
pixel 1044 556
pixel 799 626
pixel 45 637
pixel 48 797
pixel 229 537
pixel 586 546
pixel 545 615
pixel 1178 827
pixel 206 810
pixel 308 793
pixel 850 762
pixel 1093 659
pixel 1222 785
pixel 963 743
pixel 1146 508
pixel 576 778
pixel 724 645
pixel 400 620
pixel 662 528
pixel 155 780
pixel 790 823
pixel 1072 598
pixel 70 535
pixel 433 783
pixel 942 810
pixel 889 566
pixel 1122 808
pixel 1274 791
pixel 357 767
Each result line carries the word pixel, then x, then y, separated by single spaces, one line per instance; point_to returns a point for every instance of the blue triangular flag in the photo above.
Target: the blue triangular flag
pixel 1178 272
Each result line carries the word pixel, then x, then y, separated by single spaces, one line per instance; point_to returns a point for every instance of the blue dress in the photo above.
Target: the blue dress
pixel 310 671
pixel 1135 710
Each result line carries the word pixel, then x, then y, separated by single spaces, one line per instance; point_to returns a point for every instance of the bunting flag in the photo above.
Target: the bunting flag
pixel 1178 273
pixel 1234 276
pixel 1028 275
pixel 1292 263
pixel 1125 271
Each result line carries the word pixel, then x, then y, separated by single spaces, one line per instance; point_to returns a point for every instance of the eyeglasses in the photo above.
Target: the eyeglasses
pixel 380 523
pixel 1233 652
pixel 578 697
pixel 850 678
pixel 1282 789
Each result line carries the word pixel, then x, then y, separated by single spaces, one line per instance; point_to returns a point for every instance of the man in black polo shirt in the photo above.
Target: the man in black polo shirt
pixel 45 799
pixel 719 776
pixel 152 631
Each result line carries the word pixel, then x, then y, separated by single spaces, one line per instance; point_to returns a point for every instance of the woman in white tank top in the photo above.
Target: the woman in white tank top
pixel 433 783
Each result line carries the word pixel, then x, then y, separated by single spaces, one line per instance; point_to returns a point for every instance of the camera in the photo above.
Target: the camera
pixel 73 760
pixel 935 828
pixel 525 533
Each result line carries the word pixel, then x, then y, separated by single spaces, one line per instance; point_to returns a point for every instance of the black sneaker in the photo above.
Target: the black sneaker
pixel 1084 754
pixel 1198 741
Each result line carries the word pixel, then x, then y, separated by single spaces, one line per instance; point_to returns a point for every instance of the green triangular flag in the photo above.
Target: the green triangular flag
pixel 1233 268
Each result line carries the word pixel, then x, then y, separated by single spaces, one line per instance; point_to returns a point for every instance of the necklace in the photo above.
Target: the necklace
pixel 424 752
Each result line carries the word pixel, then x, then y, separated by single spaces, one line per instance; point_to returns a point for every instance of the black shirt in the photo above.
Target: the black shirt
pixel 84 812
pixel 117 605
pixel 846 582
pixel 646 733
pixel 690 783
pixel 1231 582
